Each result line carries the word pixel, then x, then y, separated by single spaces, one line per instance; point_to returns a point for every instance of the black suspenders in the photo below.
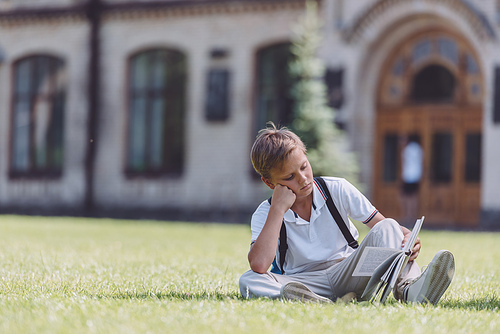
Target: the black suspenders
pixel 283 247
pixel 336 215
pixel 283 244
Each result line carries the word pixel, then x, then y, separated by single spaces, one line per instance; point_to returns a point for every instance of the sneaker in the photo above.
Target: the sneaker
pixel 430 286
pixel 298 291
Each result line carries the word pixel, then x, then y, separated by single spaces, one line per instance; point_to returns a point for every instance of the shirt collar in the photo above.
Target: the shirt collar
pixel 319 197
pixel 319 200
pixel 290 216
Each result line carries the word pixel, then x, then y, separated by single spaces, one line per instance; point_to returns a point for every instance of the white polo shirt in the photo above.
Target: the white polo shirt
pixel 320 239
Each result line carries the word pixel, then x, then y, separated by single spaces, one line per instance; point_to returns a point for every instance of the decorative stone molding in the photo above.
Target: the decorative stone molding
pixel 205 7
pixel 154 8
pixel 49 14
pixel 473 16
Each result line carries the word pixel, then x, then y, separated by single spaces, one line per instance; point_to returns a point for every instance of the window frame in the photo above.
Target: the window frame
pixel 152 94
pixel 57 97
pixel 261 114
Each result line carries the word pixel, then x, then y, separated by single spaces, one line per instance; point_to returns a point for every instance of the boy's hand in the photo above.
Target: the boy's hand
pixel 416 248
pixel 283 198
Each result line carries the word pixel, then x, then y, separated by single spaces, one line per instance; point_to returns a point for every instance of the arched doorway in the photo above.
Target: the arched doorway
pixel 431 86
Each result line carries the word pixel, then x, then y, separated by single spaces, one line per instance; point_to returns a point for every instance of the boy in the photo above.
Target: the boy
pixel 319 263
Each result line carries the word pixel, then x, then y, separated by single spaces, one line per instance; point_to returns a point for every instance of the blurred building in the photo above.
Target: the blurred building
pixel 149 108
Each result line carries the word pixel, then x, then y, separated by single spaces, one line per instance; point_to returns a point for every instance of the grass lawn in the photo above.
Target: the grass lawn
pixel 68 275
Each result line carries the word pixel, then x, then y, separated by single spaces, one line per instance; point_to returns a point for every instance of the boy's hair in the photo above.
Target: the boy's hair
pixel 272 147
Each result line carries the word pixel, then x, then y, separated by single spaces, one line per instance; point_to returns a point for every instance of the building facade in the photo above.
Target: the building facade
pixel 149 108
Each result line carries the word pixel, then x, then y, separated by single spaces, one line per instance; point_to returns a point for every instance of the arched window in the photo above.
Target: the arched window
pixel 498 11
pixel 274 102
pixel 435 67
pixel 156 116
pixel 433 84
pixel 38 117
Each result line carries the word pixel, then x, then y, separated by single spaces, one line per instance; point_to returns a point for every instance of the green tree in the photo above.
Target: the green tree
pixel 313 119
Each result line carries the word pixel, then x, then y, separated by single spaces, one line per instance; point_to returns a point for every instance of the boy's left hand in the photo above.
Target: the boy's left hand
pixel 416 248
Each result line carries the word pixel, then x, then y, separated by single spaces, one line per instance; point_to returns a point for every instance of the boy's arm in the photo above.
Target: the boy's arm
pixel 263 250
pixel 378 217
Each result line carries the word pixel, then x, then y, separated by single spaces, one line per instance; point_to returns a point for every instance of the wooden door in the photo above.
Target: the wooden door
pixel 451 141
pixel 431 86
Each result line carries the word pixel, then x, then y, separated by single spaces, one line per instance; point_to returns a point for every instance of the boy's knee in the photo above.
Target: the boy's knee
pixel 388 224
pixel 244 283
pixel 244 278
pixel 386 233
pixel 254 285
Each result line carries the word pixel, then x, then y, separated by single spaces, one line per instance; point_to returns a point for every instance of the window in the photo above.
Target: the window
pixel 333 81
pixel 498 11
pixel 38 117
pixel 217 100
pixel 431 69
pixel 422 50
pixel 390 158
pixel 448 49
pixel 471 65
pixel 274 101
pixel 441 160
pixel 496 97
pixel 434 84
pixel 398 68
pixel 157 89
pixel 473 157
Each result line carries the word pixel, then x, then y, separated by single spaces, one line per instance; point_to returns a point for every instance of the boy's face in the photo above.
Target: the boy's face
pixel 295 173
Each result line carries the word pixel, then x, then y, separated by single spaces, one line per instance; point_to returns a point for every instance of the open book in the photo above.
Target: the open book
pixel 384 265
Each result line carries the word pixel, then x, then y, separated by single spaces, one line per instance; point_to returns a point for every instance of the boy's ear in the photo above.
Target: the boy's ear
pixel 267 182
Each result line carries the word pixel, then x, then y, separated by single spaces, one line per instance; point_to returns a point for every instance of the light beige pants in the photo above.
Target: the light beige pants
pixel 332 279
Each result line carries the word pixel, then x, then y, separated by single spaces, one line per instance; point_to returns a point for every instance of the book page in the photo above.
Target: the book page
pixel 371 258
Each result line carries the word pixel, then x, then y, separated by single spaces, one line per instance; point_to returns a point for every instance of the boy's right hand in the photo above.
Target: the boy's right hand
pixel 283 198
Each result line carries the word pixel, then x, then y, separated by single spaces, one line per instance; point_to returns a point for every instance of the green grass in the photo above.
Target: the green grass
pixel 67 275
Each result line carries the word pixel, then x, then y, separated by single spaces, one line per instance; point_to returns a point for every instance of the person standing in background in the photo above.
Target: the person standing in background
pixel 411 174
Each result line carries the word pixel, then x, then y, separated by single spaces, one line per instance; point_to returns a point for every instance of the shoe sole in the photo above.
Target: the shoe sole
pixel 300 292
pixel 437 281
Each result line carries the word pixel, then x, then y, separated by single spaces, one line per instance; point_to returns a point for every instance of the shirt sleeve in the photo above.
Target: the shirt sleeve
pixel 258 220
pixel 356 204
